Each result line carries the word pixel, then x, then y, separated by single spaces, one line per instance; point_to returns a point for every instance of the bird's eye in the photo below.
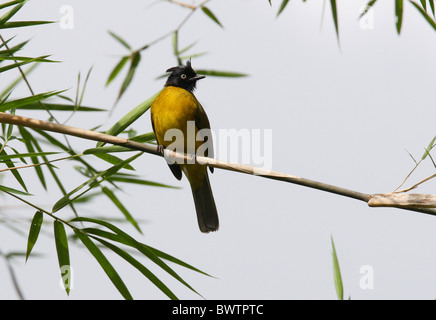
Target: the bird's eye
pixel 183 76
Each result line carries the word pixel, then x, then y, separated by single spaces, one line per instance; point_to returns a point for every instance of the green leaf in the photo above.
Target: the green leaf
pixel 10 3
pixel 432 6
pixel 134 61
pixel 147 273
pixel 62 250
pixel 14 83
pixel 368 6
pixel 16 58
pixel 215 73
pixel 57 107
pixel 128 240
pixel 92 182
pixel 282 7
pixel 140 181
pixel 430 146
pixel 15 191
pixel 15 104
pixel 337 273
pixel 424 14
pixel 120 65
pixel 399 14
pixel 335 17
pixel 15 172
pixel 210 14
pixel 11 13
pixel 112 160
pixel 19 24
pixel 35 227
pixel 30 141
pixel 120 40
pixel 121 207
pixel 424 4
pixel 129 118
pixel 25 155
pixel 105 264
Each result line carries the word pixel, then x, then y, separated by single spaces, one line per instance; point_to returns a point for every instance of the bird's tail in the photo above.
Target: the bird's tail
pixel 207 214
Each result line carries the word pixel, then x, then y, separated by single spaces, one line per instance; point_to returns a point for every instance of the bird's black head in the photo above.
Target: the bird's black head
pixel 183 76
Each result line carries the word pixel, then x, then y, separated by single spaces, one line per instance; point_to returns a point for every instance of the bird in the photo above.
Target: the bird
pixel 177 108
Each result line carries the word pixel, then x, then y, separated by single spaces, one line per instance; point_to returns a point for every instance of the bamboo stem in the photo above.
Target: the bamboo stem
pixel 418 203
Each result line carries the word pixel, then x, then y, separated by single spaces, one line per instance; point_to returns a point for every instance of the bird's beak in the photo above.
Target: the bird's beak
pixel 197 77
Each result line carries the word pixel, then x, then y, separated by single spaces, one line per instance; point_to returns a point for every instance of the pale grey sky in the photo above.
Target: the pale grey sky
pixel 343 116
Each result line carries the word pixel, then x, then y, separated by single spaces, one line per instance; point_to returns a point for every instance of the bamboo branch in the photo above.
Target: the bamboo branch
pixel 414 202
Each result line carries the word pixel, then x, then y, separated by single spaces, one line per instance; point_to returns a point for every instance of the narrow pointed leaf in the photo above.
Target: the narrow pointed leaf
pixel 10 3
pixel 17 103
pixel 120 65
pixel 92 182
pixel 128 240
pixel 14 191
pixel 35 227
pixel 129 118
pixel 19 24
pixel 105 264
pixel 425 15
pixel 399 14
pixel 121 207
pixel 15 172
pixel 282 7
pixel 147 273
pixel 216 73
pixel 120 40
pixel 337 274
pixel 210 14
pixel 62 249
pixel 429 148
pixel 335 17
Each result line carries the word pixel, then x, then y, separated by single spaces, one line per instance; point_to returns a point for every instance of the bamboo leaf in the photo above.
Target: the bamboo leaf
pixel 368 6
pixel 129 118
pixel 57 107
pixel 335 17
pixel 134 61
pixel 216 73
pixel 10 3
pixel 210 14
pixel 432 6
pixel 120 65
pixel 35 227
pixel 11 13
pixel 15 172
pixel 62 249
pixel 424 14
pixel 282 7
pixel 120 40
pixel 15 191
pixel 92 182
pixel 337 273
pixel 430 146
pixel 128 240
pixel 17 103
pixel 112 160
pixel 399 14
pixel 147 273
pixel 121 207
pixel 19 24
pixel 424 4
pixel 105 264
